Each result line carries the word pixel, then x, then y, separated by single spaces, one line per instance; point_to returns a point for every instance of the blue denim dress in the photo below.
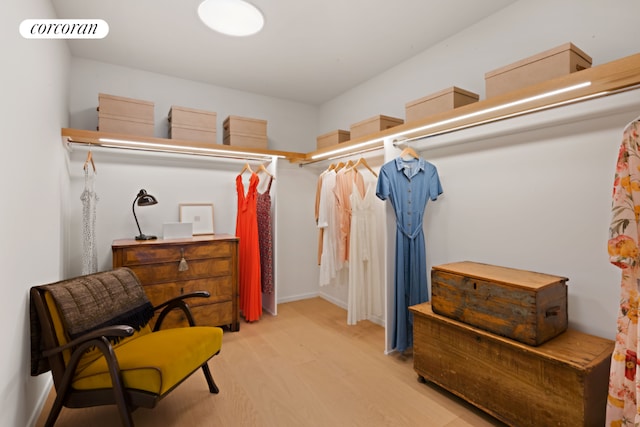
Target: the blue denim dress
pixel 408 184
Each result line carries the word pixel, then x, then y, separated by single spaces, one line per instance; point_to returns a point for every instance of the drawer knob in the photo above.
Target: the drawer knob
pixel 183 266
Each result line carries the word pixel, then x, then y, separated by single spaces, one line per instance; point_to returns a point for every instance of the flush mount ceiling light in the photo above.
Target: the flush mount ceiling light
pixel 231 17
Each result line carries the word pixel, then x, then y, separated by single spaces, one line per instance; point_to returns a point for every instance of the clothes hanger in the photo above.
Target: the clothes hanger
pixel 89 160
pixel 408 151
pixel 339 166
pixel 363 161
pixel 246 168
pixel 261 168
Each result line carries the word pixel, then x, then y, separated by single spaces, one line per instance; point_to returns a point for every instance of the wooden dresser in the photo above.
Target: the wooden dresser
pixel 562 382
pixel 212 266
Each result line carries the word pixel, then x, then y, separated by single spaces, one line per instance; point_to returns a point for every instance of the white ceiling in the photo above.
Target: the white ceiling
pixel 309 50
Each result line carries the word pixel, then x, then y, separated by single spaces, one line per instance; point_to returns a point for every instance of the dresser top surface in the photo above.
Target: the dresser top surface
pixel 195 239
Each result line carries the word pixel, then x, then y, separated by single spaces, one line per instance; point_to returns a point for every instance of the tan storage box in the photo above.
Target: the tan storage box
pixel 522 305
pixel 125 115
pixel 245 132
pixel 563 382
pixel 333 138
pixel 192 125
pixel 444 100
pixel 556 62
pixel 373 125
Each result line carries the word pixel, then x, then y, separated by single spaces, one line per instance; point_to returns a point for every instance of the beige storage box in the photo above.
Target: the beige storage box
pixel 522 305
pixel 444 100
pixel 192 125
pixel 125 115
pixel 333 138
pixel 556 62
pixel 563 382
pixel 373 125
pixel 245 132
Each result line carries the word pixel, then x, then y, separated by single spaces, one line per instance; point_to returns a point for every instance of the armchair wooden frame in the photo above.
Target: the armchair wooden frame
pixel 126 399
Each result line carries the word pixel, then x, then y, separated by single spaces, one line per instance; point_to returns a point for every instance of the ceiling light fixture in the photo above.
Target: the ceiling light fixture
pixel 231 17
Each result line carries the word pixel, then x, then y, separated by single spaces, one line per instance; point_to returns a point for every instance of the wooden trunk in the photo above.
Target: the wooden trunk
pixel 444 100
pixel 373 125
pixel 213 267
pixel 547 65
pixel 560 383
pixel 523 305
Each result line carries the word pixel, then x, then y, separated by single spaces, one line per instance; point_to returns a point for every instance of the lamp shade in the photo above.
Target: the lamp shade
pixel 143 199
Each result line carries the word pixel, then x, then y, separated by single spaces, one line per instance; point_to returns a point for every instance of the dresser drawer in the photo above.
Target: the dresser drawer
pixel 220 289
pixel 212 266
pixel 169 272
pixel 219 314
pixel 148 254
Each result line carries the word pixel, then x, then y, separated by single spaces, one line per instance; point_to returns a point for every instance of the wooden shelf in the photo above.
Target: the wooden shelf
pixel 606 79
pixel 96 138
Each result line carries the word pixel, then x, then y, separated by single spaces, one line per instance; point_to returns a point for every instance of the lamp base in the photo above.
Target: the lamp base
pixel 145 237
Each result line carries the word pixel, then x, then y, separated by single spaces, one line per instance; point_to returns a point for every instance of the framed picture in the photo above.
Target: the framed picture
pixel 200 215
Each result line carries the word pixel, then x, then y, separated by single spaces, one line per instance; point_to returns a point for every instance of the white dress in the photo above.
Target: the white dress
pixel 366 294
pixel 327 219
pixel 89 200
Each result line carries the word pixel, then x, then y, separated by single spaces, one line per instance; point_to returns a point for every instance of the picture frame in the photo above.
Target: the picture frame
pixel 200 215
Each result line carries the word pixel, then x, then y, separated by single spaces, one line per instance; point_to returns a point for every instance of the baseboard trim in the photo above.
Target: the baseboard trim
pixel 42 400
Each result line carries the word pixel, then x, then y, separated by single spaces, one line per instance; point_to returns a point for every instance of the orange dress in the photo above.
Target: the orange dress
pixel 249 250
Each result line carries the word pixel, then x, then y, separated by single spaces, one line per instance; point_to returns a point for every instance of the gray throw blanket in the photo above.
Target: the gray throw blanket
pixel 94 301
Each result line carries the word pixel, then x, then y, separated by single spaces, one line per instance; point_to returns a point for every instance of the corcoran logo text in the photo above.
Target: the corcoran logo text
pixel 64 29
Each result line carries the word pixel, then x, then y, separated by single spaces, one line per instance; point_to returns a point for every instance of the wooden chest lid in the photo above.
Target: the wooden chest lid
pixel 504 275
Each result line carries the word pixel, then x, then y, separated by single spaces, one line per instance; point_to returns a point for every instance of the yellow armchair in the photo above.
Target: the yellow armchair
pixel 92 332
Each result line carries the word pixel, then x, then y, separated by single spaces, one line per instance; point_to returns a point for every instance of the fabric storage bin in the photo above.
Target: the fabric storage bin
pixel 373 125
pixel 444 100
pixel 332 138
pixel 547 65
pixel 191 124
pixel 125 115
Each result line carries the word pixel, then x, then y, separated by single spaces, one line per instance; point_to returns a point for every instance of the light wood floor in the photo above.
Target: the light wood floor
pixel 304 367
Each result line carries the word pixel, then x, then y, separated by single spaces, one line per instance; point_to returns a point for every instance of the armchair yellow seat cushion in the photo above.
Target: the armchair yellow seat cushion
pixel 154 362
pixel 93 333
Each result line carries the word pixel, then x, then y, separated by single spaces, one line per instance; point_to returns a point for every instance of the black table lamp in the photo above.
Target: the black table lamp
pixel 143 199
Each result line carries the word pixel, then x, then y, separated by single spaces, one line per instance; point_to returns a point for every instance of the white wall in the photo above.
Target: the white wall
pixel 291 126
pixel 34 192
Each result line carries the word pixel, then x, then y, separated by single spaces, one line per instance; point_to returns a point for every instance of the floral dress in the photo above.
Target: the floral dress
pixel 624 382
pixel 265 238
